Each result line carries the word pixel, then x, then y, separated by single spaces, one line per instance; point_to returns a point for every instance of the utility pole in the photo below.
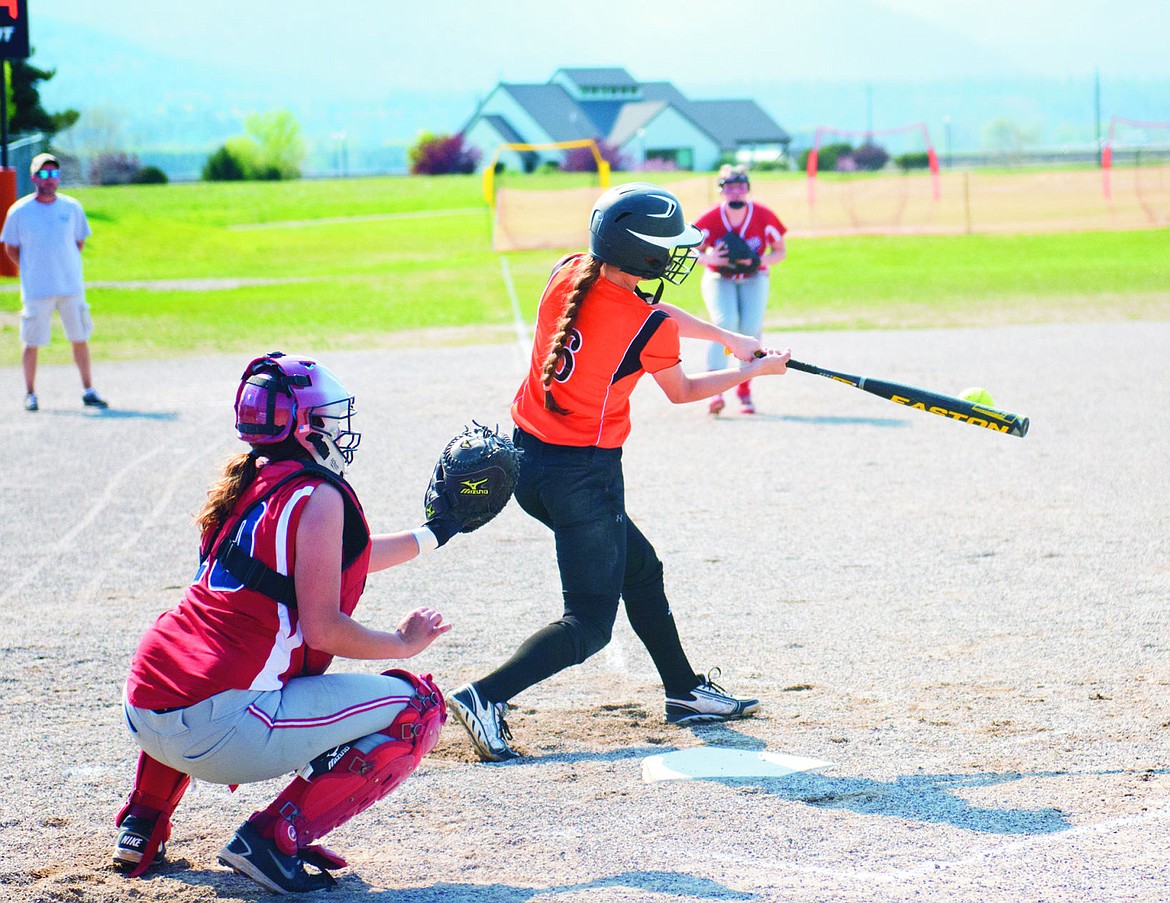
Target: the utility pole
pixel 1097 111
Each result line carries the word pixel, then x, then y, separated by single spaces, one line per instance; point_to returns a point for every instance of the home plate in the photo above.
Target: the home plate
pixel 720 762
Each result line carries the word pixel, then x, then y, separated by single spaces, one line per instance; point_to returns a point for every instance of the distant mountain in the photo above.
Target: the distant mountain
pixel 362 100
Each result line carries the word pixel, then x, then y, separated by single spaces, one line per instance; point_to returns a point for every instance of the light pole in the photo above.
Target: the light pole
pixel 947 130
pixel 339 137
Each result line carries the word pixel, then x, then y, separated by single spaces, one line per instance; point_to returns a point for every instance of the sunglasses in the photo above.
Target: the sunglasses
pixel 48 173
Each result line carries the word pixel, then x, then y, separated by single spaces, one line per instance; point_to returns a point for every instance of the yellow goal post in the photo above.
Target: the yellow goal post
pixel 489 171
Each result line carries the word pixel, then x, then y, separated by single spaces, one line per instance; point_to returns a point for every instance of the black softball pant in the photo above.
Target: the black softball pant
pixel 579 493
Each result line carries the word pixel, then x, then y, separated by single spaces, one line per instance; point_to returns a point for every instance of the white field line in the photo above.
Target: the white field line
pixel 523 336
pixel 363 218
pixel 63 546
pixel 162 505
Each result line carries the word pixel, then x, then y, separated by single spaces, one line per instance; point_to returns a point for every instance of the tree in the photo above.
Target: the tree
pixel 273 149
pixel 436 155
pixel 25 113
pixel 1007 138
pixel 280 146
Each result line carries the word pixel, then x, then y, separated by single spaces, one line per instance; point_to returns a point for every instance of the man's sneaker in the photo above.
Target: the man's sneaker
pixel 256 857
pixel 708 702
pixel 715 405
pixel 30 402
pixel 746 406
pixel 132 841
pixel 91 399
pixel 484 722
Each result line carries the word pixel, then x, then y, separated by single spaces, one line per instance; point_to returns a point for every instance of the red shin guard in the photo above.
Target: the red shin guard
pixel 358 774
pixel 158 788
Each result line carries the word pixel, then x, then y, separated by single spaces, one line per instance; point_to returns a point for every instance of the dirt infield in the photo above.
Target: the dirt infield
pixel 973 627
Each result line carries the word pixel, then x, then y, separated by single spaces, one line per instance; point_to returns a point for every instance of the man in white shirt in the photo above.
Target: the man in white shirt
pixel 43 234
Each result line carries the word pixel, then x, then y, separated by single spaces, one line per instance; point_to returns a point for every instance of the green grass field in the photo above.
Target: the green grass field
pixel 422 260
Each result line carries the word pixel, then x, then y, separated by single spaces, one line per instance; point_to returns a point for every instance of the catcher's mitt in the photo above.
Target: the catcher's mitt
pixel 472 482
pixel 738 250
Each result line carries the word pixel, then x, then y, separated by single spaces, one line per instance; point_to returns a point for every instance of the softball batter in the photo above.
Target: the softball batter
pixel 597 334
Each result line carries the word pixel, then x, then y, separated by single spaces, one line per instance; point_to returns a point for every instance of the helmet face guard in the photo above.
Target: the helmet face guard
pixel 290 395
pixel 640 229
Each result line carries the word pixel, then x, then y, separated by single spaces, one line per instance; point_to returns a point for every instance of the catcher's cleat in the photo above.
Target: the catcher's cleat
pixel 708 702
pixel 715 406
pixel 258 858
pixel 484 722
pixel 132 841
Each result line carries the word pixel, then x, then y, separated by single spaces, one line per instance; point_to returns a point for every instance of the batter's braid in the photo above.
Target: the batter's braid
pixel 588 271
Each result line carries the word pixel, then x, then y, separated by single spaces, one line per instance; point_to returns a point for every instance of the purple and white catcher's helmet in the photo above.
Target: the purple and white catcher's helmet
pixel 287 394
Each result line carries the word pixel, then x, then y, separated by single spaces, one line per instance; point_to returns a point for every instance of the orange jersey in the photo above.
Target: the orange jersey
pixel 616 338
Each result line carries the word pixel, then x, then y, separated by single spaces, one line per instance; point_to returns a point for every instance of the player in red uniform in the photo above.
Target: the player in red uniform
pixel 597 334
pixel 229 687
pixel 736 289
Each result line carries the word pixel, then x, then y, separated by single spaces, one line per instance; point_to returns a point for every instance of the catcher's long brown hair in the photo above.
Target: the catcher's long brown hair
pixel 588 271
pixel 238 474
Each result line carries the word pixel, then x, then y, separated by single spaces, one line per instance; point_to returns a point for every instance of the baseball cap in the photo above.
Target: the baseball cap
pixel 39 161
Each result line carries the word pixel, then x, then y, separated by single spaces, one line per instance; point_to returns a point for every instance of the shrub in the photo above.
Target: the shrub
pixel 870 157
pixel 436 155
pixel 906 162
pixel 113 168
pixel 659 164
pixel 827 155
pixel 150 175
pixel 223 166
pixel 581 159
pixel 272 150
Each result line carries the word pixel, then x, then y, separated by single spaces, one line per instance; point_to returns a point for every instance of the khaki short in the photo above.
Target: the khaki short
pixel 37 314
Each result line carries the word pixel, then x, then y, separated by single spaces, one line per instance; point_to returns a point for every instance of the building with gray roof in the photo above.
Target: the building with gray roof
pixel 648 123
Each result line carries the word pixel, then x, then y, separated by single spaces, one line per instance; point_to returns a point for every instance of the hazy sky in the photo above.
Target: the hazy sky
pixel 457 42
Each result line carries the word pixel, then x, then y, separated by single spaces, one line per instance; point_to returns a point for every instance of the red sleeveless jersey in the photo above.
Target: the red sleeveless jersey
pixel 225 636
pixel 761 229
pixel 616 338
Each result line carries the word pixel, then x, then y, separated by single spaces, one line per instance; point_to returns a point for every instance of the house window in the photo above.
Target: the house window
pixel 680 157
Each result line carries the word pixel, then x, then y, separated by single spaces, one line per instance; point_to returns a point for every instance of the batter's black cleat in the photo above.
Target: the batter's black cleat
pixel 708 702
pixel 132 841
pixel 484 722
pixel 257 858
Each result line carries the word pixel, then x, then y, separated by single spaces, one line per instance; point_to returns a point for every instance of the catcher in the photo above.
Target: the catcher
pixel 741 239
pixel 230 686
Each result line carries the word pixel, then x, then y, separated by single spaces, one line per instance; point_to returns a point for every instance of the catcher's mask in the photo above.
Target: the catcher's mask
pixel 284 395
pixel 639 228
pixel 735 177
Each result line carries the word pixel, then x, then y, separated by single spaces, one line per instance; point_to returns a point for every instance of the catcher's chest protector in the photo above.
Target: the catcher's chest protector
pixel 358 774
